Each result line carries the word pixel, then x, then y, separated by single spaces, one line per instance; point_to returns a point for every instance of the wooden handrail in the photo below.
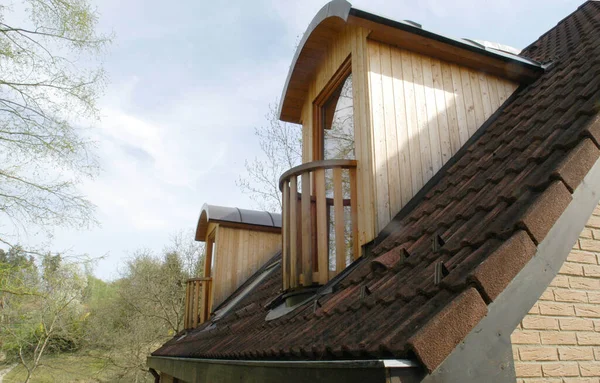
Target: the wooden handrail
pixel 307 221
pixel 314 165
pixel 200 279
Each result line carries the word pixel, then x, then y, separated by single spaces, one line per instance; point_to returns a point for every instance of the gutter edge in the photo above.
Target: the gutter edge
pixel 368 363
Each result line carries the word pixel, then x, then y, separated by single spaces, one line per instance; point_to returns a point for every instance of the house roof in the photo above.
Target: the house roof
pixel 456 247
pixel 336 14
pixel 234 215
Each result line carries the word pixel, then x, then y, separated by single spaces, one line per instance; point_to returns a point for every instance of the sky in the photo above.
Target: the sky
pixel 188 80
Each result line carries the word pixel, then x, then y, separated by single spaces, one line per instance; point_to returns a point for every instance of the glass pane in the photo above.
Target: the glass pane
pixel 338 123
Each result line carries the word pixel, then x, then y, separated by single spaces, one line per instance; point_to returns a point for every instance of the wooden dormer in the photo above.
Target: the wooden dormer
pixel 237 243
pixel 383 106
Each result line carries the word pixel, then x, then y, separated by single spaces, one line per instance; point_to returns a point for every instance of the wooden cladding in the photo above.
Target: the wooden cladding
pixel 197 302
pixel 239 253
pixel 422 111
pixel 312 241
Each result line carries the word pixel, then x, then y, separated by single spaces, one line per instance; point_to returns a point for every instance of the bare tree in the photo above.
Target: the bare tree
pixel 190 251
pixel 48 88
pixel 281 147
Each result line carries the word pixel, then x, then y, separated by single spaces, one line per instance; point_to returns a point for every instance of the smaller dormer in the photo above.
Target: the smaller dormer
pixel 238 242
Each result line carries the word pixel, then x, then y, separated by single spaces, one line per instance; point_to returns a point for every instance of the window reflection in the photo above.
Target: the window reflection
pixel 338 123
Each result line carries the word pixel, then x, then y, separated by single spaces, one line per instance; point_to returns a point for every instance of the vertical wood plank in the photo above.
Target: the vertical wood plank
pixel 203 302
pixel 493 89
pixel 401 128
pixel 450 100
pixel 285 225
pixel 477 99
pixel 468 97
pixel 307 267
pixel 378 126
pixel 354 214
pixel 196 302
pixel 235 241
pixel 208 257
pixel 502 96
pixel 423 126
pixel 215 255
pixel 509 87
pixel 363 133
pixel 432 116
pixel 442 114
pixel 209 286
pixel 322 227
pixel 461 109
pixel 338 206
pixel 239 238
pixel 485 95
pixel 361 130
pixel 293 222
pixel 186 314
pixel 412 123
pixel 299 240
pixel 391 133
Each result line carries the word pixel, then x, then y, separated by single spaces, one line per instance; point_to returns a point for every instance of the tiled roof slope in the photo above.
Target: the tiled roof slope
pixel 490 208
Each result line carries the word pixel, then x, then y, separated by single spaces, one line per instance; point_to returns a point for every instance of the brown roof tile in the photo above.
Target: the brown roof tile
pixel 577 164
pixel 502 265
pixel 498 198
pixel 433 342
pixel 541 213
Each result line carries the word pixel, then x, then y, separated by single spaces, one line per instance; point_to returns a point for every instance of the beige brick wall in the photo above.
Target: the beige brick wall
pixel 559 340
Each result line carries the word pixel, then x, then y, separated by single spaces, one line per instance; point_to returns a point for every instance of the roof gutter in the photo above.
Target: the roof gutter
pixel 208 370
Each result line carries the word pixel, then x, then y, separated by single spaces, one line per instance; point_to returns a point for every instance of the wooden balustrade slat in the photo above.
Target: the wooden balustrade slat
pixel 202 304
pixel 321 218
pixel 191 312
pixel 307 267
pixel 196 302
pixel 338 206
pixel 299 242
pixel 286 235
pixel 208 300
pixel 293 232
pixel 186 314
pixel 354 213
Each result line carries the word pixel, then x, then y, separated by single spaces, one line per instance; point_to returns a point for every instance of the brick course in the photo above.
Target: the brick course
pixel 559 339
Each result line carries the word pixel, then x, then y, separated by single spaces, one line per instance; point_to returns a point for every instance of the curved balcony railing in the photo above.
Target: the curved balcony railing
pixel 197 302
pixel 319 236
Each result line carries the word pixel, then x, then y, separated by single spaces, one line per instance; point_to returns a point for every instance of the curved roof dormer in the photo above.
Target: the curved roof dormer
pixel 234 216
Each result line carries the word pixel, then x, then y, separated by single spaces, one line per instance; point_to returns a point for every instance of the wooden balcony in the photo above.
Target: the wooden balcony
pixel 315 246
pixel 197 301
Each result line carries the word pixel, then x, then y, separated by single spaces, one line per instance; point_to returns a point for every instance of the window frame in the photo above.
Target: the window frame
pixel 318 133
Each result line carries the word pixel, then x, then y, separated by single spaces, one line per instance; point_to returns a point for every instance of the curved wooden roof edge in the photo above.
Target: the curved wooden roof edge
pixel 337 13
pixel 214 213
pixel 330 19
